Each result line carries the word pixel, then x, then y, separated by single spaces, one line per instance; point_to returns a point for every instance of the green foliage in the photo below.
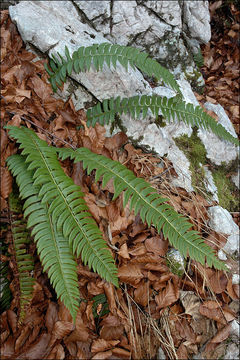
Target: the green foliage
pixel 24 260
pixel 146 202
pixel 100 300
pixel 170 108
pixel 174 109
pixel 106 53
pixel 198 59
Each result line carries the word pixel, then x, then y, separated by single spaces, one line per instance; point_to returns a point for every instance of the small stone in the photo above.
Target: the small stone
pixel 176 262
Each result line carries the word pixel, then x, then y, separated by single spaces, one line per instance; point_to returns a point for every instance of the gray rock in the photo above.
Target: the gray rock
pixel 221 221
pixel 236 178
pixel 197 20
pixel 232 352
pixel 218 150
pixel 210 185
pixel 176 262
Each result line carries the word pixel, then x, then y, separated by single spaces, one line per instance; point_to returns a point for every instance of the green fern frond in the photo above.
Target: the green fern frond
pixel 170 108
pixel 148 203
pixel 110 54
pixel 52 247
pixel 25 263
pixel 66 204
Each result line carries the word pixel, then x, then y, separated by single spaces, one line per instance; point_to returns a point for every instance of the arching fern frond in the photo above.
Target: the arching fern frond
pixel 24 260
pixel 52 247
pixel 170 108
pixel 66 204
pixel 148 203
pixel 109 54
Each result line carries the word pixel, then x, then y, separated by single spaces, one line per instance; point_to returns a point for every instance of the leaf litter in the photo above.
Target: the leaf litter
pixel 153 307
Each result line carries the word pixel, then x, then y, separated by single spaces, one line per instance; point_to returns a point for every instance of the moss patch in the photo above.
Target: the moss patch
pixel 195 151
pixel 227 191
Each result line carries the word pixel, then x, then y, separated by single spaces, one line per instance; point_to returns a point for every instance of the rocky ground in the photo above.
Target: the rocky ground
pixel 158 311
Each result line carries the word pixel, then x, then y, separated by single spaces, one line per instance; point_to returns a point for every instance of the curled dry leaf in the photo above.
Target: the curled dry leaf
pixel 39 350
pixel 110 294
pixel 157 245
pixel 141 294
pixel 168 295
pixel 130 274
pixel 51 316
pixel 60 330
pixel 123 251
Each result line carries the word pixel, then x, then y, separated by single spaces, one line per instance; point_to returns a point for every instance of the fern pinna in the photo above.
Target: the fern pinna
pixel 172 109
pixel 24 260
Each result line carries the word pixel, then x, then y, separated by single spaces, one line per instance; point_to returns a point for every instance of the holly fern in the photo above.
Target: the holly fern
pixel 61 224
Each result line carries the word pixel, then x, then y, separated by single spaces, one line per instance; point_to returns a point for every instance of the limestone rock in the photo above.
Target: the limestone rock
pixel 219 150
pixel 197 20
pixel 221 221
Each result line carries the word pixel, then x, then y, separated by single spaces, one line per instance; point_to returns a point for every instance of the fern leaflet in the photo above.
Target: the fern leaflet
pixel 170 108
pixel 110 54
pixel 66 204
pixel 148 203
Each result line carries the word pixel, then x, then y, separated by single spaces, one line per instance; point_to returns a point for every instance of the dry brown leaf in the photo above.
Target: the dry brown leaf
pixel 57 353
pixel 123 251
pixel 212 310
pixel 51 316
pixel 141 294
pixel 168 295
pixel 100 345
pixel 39 350
pixel 130 274
pixel 112 328
pixel 138 250
pixel 60 330
pixel 121 353
pixel 157 245
pixel 24 335
pixel 103 355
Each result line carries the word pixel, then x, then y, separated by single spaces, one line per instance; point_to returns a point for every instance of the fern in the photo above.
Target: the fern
pixel 53 248
pixel 139 105
pixel 24 260
pixel 98 54
pixel 148 203
pixel 62 225
pixel 66 204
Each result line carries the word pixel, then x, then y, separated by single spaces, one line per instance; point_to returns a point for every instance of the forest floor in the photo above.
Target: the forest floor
pixel 185 316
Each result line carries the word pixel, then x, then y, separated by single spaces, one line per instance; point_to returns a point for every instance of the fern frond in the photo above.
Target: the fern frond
pixel 67 206
pixel 52 247
pixel 148 203
pixel 170 108
pixel 25 263
pixel 110 54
